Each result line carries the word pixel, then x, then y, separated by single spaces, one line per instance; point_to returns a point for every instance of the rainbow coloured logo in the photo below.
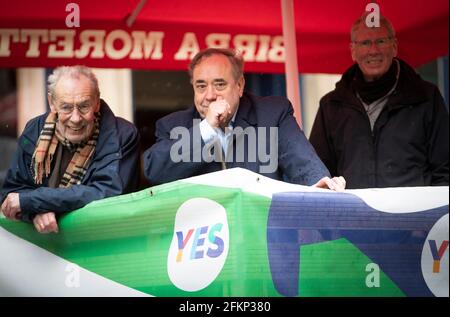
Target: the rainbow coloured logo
pixel 212 247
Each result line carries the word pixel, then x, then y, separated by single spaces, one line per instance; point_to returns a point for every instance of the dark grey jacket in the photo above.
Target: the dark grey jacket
pixel 409 142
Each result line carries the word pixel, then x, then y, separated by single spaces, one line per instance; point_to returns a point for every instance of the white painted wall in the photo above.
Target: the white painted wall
pixel 116 89
pixel 314 87
pixel 31 95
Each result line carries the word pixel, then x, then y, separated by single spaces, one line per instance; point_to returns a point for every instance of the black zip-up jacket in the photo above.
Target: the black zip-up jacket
pixel 409 142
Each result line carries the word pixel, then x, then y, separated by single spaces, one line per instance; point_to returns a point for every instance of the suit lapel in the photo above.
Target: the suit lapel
pixel 245 117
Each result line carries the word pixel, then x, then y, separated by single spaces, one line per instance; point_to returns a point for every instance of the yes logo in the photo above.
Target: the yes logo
pixel 199 246
pixel 199 241
pixel 435 258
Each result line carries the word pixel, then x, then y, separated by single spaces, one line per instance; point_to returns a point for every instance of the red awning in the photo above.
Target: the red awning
pixel 166 33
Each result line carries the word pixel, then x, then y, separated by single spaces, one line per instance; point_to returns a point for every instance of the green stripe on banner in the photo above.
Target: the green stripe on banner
pixel 338 268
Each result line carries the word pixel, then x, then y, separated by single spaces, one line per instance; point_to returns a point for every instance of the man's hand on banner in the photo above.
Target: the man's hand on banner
pixel 11 206
pixel 335 183
pixel 46 223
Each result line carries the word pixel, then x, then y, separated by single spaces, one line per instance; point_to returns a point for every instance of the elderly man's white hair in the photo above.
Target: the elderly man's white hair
pixel 72 72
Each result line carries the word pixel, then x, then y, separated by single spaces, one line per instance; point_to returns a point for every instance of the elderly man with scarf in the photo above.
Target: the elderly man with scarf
pixel 383 125
pixel 76 153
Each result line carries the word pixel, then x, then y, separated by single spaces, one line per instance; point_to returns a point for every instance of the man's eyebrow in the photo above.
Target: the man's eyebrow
pixel 215 81
pixel 74 103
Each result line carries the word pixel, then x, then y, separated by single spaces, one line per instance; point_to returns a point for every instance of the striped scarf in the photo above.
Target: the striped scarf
pixel 46 147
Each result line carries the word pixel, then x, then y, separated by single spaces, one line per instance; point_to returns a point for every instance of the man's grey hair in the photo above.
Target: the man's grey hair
pixel 235 58
pixel 72 72
pixel 384 22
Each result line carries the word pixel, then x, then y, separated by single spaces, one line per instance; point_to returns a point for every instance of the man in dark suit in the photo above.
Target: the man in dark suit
pixel 228 128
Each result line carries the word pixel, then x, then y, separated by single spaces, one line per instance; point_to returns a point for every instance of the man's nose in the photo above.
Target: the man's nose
pixel 211 93
pixel 75 116
pixel 374 47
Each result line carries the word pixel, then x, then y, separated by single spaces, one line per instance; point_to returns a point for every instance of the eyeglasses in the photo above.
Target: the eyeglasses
pixel 380 43
pixel 83 108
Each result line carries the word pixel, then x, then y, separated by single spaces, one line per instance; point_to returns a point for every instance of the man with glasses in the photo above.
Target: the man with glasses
pixel 382 126
pixel 76 153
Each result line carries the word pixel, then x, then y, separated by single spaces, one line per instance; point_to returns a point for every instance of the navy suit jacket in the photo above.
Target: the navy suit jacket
pixel 296 160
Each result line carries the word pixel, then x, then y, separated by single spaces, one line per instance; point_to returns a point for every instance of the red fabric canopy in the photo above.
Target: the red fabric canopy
pixel 322 28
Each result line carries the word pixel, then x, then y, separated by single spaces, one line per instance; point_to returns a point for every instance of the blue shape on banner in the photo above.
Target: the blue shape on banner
pixel 394 241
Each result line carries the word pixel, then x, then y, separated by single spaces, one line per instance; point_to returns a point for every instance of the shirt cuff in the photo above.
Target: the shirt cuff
pixel 208 133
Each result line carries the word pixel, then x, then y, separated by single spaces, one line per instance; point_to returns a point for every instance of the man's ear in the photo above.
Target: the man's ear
pixel 241 84
pixel 50 103
pixel 395 46
pixel 97 104
pixel 352 51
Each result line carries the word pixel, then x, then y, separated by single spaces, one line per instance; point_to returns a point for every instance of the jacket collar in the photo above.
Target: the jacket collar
pixel 108 137
pixel 410 89
pixel 246 115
